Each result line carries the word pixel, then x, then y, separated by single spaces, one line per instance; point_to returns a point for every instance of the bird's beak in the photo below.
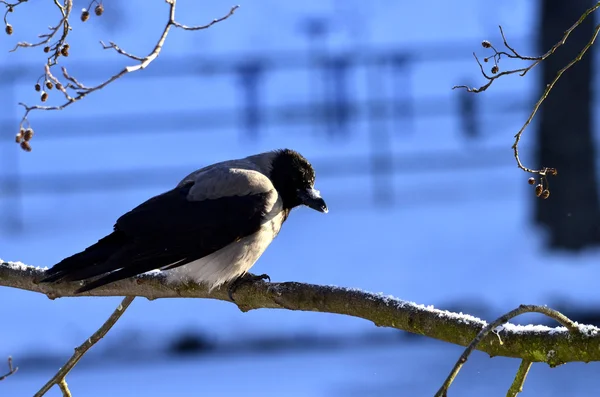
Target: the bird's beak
pixel 312 199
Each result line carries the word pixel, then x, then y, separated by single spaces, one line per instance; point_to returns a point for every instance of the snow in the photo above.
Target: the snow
pixel 457 237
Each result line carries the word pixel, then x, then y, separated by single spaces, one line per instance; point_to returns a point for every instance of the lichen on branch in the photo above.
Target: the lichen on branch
pixel 552 345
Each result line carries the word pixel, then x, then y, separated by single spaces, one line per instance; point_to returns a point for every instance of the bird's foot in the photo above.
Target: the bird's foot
pixel 246 278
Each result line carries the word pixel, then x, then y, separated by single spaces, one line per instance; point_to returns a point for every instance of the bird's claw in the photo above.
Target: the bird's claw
pixel 246 278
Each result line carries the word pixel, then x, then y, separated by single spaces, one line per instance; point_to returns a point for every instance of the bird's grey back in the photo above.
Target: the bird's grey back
pixel 260 163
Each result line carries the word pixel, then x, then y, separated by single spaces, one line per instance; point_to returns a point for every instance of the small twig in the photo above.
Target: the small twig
pixel 57 46
pixel 120 51
pixel 80 90
pixel 208 25
pixel 64 388
pixel 59 378
pixel 545 95
pixel 561 318
pixel 10 7
pixel 513 54
pixel 11 370
pixel 517 385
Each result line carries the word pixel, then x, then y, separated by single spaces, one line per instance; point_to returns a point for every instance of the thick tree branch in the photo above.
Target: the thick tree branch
pixel 533 343
pixel 561 318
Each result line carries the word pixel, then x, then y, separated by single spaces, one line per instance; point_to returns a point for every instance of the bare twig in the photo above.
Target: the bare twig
pixel 64 388
pixel 513 54
pixel 80 91
pixel 11 370
pixel 517 386
pixel 10 7
pixel 58 47
pixel 60 377
pixel 561 318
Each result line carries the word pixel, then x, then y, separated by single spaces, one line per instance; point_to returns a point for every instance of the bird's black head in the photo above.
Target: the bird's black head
pixel 294 178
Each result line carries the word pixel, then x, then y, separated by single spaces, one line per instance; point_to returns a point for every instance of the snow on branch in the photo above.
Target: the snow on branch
pixel 70 87
pixel 535 343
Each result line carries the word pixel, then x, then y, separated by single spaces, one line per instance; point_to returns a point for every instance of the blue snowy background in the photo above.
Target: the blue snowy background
pixel 419 208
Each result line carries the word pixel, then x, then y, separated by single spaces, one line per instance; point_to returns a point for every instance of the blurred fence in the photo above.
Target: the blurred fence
pixel 330 108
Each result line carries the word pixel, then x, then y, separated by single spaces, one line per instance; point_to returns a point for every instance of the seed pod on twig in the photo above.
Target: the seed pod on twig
pixel 85 15
pixel 545 194
pixel 46 49
pixel 495 69
pixel 531 180
pixel 28 134
pixel 19 136
pixel 38 87
pixel 539 189
pixel 64 51
pixel 49 85
pixel 26 146
pixel 8 29
pixel 486 44
pixel 44 96
pixel 99 9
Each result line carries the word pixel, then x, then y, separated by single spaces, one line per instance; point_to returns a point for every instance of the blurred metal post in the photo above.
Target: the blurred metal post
pixel 316 29
pixel 10 176
pixel 400 70
pixel 251 75
pixel 337 96
pixel 381 151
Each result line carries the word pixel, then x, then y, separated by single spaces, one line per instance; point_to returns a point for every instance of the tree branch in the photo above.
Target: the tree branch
pixel 60 377
pixel 78 90
pixel 517 386
pixel 11 370
pixel 533 343
pixel 561 318
pixel 513 54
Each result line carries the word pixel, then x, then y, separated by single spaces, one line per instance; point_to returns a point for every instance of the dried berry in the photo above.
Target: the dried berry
pixel 531 181
pixel 44 96
pixel 85 15
pixel 99 9
pixel 9 29
pixel 539 189
pixel 495 69
pixel 38 87
pixel 19 136
pixel 545 194
pixel 486 44
pixel 25 146
pixel 64 51
pixel 28 134
pixel 49 85
pixel 485 59
pixel 46 49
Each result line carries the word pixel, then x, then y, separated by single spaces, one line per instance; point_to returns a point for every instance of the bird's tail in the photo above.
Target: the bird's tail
pixel 87 263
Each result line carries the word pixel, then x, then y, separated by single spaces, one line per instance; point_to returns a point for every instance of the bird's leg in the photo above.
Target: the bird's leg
pixel 246 278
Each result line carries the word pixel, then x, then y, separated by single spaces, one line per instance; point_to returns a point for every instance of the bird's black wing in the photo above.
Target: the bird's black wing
pixel 169 229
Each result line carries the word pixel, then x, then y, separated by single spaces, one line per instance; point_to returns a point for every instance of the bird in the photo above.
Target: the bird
pixel 210 228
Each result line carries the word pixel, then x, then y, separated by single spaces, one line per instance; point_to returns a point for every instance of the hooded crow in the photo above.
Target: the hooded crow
pixel 211 228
